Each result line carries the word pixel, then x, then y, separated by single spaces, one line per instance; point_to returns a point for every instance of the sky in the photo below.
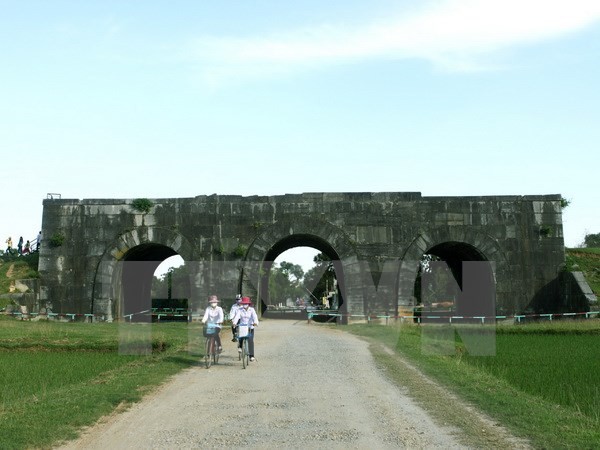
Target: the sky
pixel 128 99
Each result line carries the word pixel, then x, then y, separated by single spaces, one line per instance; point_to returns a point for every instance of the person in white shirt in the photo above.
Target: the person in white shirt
pixel 232 311
pixel 246 315
pixel 214 314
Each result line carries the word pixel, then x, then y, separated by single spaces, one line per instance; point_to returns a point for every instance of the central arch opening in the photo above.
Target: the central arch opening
pixel 288 275
pixel 289 291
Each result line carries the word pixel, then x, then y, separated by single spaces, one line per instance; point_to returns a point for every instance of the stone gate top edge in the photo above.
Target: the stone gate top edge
pixel 327 196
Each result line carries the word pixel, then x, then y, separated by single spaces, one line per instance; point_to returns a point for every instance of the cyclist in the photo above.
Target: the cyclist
pixel 232 311
pixel 246 315
pixel 214 314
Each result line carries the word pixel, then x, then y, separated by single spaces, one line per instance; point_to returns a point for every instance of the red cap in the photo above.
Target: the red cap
pixel 246 301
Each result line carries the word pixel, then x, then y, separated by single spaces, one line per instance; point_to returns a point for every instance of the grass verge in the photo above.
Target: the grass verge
pixel 524 386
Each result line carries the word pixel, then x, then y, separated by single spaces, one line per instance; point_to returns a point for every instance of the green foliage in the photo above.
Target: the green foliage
pixel 545 231
pixel 175 284
pixel 32 261
pixel 592 240
pixel 240 251
pixel 564 202
pixel 285 282
pixel 292 270
pixel 142 205
pixel 56 240
pixel 585 250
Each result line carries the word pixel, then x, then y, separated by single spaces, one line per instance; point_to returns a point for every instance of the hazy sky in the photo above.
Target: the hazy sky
pixel 126 99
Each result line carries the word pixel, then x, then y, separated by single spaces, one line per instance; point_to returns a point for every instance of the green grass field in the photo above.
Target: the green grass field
pixel 543 383
pixel 58 377
pixel 561 366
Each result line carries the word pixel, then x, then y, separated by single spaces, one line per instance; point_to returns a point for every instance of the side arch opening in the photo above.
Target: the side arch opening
pixel 455 279
pixel 127 267
pixel 165 296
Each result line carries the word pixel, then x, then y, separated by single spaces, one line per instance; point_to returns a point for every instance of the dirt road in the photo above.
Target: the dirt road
pixel 311 386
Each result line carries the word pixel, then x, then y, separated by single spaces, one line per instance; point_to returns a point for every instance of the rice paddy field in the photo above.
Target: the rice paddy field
pixel 558 362
pixel 543 383
pixel 58 377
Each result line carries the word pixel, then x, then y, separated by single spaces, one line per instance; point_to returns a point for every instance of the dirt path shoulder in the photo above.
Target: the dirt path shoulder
pixel 310 386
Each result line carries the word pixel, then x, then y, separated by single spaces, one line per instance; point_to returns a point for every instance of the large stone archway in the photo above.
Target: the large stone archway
pixel 148 247
pixel 304 230
pixel 486 246
pixel 377 238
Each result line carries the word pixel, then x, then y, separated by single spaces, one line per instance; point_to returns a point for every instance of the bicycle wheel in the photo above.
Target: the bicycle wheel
pixel 207 352
pixel 244 353
pixel 247 354
pixel 215 353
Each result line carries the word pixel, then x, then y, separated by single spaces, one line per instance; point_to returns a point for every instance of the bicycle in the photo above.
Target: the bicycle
pixel 211 352
pixel 242 335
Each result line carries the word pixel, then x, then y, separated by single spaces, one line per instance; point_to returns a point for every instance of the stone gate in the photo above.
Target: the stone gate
pixel 230 241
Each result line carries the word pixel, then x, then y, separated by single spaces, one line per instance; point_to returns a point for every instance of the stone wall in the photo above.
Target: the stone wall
pixel 377 240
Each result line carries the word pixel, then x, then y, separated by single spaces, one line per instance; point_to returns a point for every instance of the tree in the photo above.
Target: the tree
pixel 285 282
pixel 433 284
pixel 290 269
pixel 175 285
pixel 325 280
pixel 592 240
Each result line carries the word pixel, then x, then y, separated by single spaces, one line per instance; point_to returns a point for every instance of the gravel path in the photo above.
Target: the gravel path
pixel 311 386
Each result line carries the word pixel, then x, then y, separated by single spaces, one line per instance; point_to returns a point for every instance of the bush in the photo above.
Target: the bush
pixel 240 251
pixel 142 205
pixel 57 239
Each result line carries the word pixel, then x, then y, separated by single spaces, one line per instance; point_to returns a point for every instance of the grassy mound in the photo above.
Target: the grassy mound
pixel 14 268
pixel 586 260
